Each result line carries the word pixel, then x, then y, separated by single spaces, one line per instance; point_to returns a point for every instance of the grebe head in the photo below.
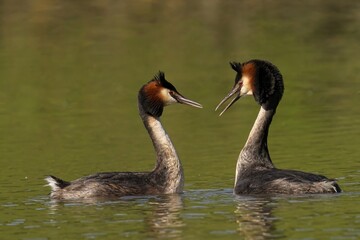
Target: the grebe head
pixel 158 93
pixel 259 78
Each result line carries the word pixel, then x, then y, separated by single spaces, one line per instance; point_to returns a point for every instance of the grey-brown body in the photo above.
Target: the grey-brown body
pixel 113 185
pixel 256 174
pixel 167 176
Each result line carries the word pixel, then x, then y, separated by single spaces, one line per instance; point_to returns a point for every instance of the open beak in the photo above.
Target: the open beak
pixel 235 91
pixel 181 99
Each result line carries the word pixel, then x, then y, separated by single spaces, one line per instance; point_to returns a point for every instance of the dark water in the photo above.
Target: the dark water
pixel 69 76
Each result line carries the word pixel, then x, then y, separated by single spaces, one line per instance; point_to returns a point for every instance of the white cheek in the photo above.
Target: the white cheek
pixel 170 100
pixel 167 98
pixel 246 88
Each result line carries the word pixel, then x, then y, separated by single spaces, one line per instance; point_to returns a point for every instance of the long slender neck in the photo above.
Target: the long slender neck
pixel 168 166
pixel 255 153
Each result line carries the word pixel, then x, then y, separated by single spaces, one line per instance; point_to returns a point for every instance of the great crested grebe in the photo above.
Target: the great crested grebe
pixel 255 172
pixel 167 176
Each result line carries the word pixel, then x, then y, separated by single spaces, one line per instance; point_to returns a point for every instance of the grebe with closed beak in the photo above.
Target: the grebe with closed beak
pixel 167 176
pixel 255 172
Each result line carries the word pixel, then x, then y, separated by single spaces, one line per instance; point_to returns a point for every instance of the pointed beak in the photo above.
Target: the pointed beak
pixel 235 91
pixel 183 100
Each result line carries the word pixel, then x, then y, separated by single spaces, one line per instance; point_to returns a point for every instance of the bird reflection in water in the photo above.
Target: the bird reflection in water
pixel 161 214
pixel 165 219
pixel 254 218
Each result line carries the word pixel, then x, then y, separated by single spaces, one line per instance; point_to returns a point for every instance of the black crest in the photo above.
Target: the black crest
pixel 238 69
pixel 236 66
pixel 160 77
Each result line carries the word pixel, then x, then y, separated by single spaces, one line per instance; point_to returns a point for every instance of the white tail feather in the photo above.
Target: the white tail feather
pixel 52 183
